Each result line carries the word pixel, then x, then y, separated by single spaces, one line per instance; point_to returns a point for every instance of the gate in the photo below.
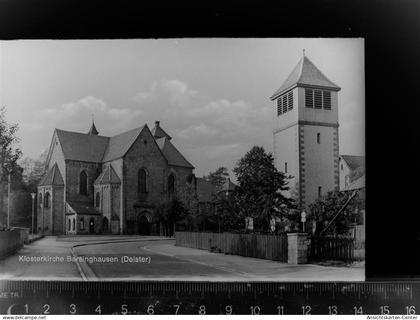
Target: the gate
pixel 332 248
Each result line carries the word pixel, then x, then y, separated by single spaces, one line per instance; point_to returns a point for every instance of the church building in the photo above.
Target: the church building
pixel 98 184
pixel 306 132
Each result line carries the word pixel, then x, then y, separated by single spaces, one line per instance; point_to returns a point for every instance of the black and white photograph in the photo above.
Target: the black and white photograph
pixel 190 159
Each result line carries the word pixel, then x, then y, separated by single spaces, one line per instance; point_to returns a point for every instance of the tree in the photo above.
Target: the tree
pixel 188 196
pixel 169 213
pixel 260 188
pixel 325 208
pixel 9 156
pixel 218 177
pixel 34 170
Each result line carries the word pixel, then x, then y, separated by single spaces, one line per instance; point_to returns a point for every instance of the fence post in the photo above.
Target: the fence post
pixel 297 248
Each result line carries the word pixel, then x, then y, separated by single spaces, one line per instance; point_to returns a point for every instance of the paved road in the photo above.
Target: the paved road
pixel 129 258
pixel 15 268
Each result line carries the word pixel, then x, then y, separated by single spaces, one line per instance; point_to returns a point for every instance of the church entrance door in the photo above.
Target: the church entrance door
pixel 92 225
pixel 143 225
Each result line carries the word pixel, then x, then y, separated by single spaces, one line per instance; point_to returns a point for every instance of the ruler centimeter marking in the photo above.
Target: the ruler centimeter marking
pixel 148 297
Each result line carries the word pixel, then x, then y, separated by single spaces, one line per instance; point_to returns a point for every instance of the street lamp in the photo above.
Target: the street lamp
pixel 33 209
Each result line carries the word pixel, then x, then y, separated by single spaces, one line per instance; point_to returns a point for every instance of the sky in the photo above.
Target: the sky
pixel 210 95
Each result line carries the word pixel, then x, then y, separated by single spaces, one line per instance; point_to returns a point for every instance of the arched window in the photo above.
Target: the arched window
pixel 82 223
pixel 40 200
pixel 97 200
pixel 83 180
pixel 47 200
pixel 74 224
pixel 69 225
pixel 171 184
pixel 142 181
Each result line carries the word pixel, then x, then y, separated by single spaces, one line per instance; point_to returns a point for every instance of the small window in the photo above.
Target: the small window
pixel 69 225
pixel 284 104
pixel 309 98
pixel 319 191
pixel 82 223
pixel 326 95
pixel 40 200
pixel 279 106
pixel 290 100
pixel 74 224
pixel 47 200
pixel 318 138
pixel 342 168
pixel 318 99
pixel 97 200
pixel 285 167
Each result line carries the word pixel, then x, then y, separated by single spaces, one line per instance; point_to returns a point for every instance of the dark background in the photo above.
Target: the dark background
pixel 392 41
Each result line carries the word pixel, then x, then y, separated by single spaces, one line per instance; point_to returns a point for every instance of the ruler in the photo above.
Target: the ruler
pixel 181 297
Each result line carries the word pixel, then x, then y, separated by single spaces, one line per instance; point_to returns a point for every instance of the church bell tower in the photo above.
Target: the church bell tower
pixel 306 132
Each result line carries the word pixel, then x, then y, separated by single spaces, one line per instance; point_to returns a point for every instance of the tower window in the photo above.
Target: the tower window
pixel 318 99
pixel 285 167
pixel 290 100
pixel 309 98
pixel 342 167
pixel 319 191
pixel 326 95
pixel 318 138
pixel 279 106
pixel 284 104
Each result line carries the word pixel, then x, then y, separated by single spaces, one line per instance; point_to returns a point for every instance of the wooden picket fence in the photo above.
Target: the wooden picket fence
pixel 331 248
pixel 271 247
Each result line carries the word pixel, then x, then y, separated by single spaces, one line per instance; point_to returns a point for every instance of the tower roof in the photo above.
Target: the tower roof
pixel 305 73
pixel 158 132
pixel 93 130
pixel 53 177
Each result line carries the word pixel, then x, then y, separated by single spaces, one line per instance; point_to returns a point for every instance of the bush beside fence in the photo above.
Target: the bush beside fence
pixel 10 242
pixel 270 247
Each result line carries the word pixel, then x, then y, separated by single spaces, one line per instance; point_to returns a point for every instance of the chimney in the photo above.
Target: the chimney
pixel 157 123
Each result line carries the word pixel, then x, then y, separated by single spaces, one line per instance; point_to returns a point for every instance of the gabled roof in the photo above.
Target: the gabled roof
pixel 354 161
pixel 83 208
pixel 120 144
pixel 52 177
pixel 158 132
pixel 174 157
pixel 205 190
pixel 305 74
pixel 108 176
pixel 82 146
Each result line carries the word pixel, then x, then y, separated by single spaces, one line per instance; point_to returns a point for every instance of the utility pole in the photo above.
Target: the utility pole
pixel 8 200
